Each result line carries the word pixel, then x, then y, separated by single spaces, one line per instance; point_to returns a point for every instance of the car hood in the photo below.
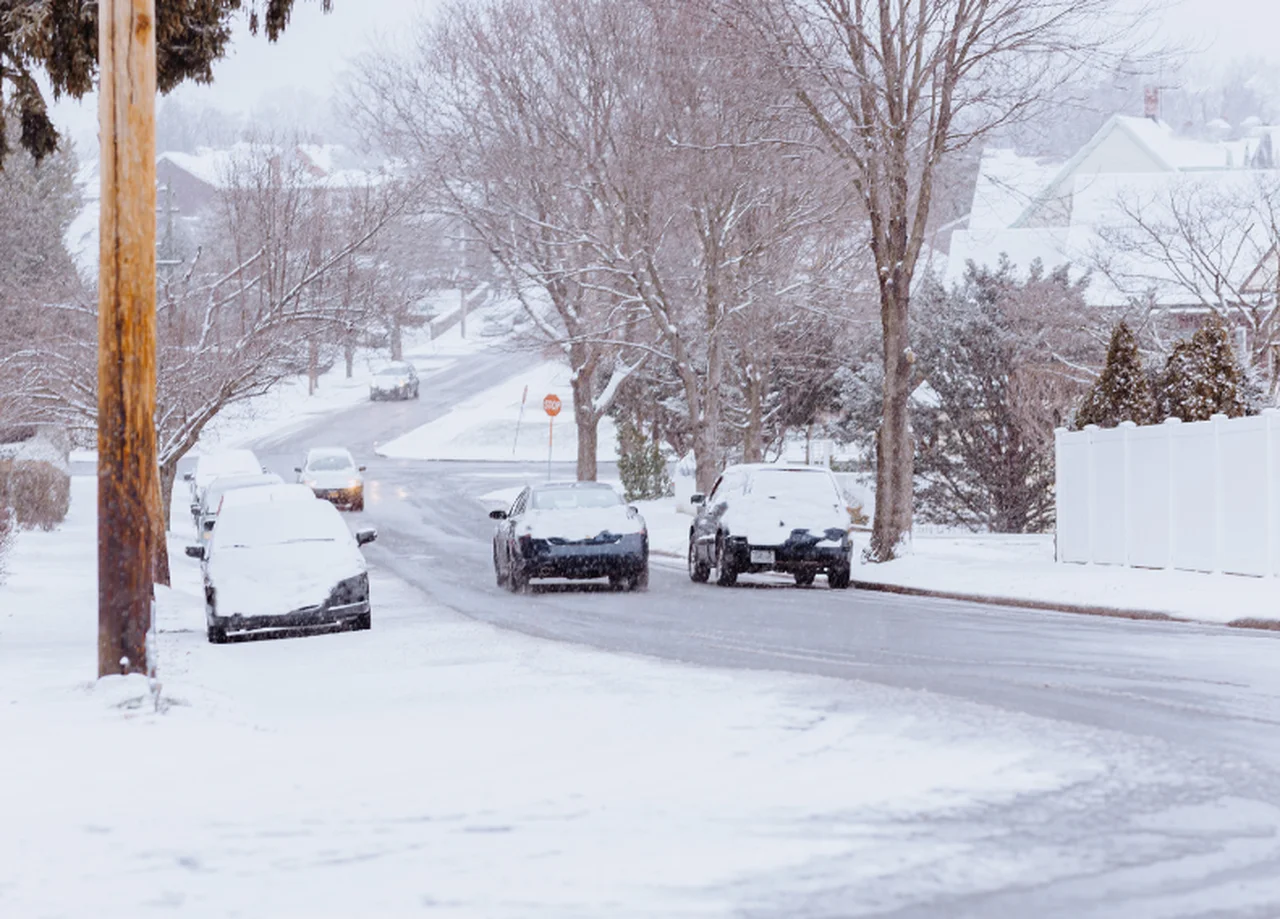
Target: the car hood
pixel 274 580
pixel 389 382
pixel 332 479
pixel 582 523
pixel 771 523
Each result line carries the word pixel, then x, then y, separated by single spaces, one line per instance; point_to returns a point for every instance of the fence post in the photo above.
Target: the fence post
pixel 1218 524
pixel 1272 488
pixel 1090 485
pixel 1170 425
pixel 1057 492
pixel 1126 508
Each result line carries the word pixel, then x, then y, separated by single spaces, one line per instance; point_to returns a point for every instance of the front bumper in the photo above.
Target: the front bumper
pixel 325 614
pixel 543 558
pixel 791 556
pixel 343 497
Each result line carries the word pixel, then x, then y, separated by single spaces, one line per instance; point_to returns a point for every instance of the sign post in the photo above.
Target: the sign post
pixel 519 418
pixel 550 405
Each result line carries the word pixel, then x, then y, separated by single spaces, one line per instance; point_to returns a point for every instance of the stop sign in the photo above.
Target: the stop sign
pixel 551 405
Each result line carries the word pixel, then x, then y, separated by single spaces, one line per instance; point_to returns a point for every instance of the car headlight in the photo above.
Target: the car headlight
pixel 351 590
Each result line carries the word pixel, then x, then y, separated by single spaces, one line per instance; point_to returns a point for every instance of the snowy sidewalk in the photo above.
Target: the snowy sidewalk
pixel 1020 571
pixel 438 764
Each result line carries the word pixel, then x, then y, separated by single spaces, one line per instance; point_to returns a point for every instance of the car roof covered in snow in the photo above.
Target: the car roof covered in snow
pixel 267 494
pixel 226 483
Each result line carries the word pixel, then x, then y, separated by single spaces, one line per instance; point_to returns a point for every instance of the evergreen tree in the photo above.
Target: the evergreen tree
pixel 1203 377
pixel 59 40
pixel 1122 392
pixel 641 465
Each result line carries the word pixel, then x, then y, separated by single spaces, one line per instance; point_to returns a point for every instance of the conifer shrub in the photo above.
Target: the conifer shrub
pixel 641 465
pixel 1123 391
pixel 1202 377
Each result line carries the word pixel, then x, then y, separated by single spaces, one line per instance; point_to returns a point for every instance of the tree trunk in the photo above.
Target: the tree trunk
pixel 168 472
pixel 313 366
pixel 397 340
pixel 127 487
pixel 753 437
pixel 349 352
pixel 585 417
pixel 895 453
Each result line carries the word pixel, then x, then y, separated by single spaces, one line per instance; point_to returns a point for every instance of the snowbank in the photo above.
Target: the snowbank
pixel 491 427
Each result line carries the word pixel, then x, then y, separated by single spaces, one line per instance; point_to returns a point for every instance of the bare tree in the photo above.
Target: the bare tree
pixel 894 87
pixel 1206 243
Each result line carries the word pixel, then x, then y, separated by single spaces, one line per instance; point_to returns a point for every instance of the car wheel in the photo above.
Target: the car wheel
pixel 415 392
pixel 362 623
pixel 699 570
pixel 619 582
pixel 726 573
pixel 357 505
pixel 497 570
pixel 639 582
pixel 838 578
pixel 517 581
pixel 217 634
pixel 805 578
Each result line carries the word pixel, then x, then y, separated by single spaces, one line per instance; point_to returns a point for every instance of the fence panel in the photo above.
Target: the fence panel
pixel 1149 493
pixel 1201 497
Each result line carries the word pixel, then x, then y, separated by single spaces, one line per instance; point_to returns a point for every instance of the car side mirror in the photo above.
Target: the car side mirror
pixel 297 468
pixel 497 515
pixel 188 476
pixel 366 536
pixel 698 500
pixel 195 552
pixel 195 509
pixel 362 468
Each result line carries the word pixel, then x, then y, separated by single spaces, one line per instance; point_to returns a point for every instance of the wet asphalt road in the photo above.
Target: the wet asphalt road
pixel 1204 702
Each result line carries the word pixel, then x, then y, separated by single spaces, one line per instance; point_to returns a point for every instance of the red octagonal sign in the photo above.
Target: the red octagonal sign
pixel 551 405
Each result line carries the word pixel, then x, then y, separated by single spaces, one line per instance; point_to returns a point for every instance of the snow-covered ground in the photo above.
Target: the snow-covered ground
pixel 436 763
pixel 491 425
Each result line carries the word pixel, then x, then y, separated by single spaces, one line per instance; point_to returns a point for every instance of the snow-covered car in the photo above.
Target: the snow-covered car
pixel 332 474
pixel 762 517
pixel 398 380
pixel 284 493
pixel 210 466
pixel 206 512
pixel 283 565
pixel 575 530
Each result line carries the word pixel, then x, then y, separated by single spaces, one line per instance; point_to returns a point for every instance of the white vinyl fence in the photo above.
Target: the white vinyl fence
pixel 1203 496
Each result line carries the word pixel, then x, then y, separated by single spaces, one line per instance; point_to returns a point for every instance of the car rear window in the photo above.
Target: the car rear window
pixel 571 498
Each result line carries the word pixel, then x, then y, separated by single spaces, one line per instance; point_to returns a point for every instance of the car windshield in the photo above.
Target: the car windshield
pixel 571 498
pixel 794 485
pixel 259 526
pixel 331 463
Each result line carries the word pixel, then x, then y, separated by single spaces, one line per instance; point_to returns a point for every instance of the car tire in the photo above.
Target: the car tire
pixel 838 578
pixel 357 506
pixel 726 573
pixel 217 634
pixel 362 623
pixel 517 581
pixel 639 582
pixel 805 578
pixel 415 392
pixel 699 571
pixel 498 576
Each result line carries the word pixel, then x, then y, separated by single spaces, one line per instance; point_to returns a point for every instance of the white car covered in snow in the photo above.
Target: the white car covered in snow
pixel 283 565
pixel 762 517
pixel 206 512
pixel 210 466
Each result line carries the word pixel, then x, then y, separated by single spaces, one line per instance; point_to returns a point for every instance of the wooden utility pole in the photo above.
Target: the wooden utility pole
pixel 126 333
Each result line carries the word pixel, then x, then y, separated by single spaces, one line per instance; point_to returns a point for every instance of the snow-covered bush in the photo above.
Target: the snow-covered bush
pixel 36 492
pixel 641 465
pixel 1122 391
pixel 1203 378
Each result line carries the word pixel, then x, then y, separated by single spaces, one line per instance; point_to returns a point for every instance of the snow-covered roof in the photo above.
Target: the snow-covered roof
pixel 1006 184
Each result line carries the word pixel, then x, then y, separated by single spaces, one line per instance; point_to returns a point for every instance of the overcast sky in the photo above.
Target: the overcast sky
pixel 314 49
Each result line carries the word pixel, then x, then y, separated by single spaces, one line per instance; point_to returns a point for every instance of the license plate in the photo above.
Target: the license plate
pixel 762 556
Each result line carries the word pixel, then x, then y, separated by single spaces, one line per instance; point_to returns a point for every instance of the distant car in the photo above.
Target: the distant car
pixel 573 530
pixel 206 512
pixel 772 518
pixel 332 474
pixel 283 566
pixel 394 381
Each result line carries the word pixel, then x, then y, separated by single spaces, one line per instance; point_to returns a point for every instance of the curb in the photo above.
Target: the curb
pixel 1108 611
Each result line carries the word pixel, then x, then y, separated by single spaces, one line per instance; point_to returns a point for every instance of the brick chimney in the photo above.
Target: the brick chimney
pixel 1151 102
